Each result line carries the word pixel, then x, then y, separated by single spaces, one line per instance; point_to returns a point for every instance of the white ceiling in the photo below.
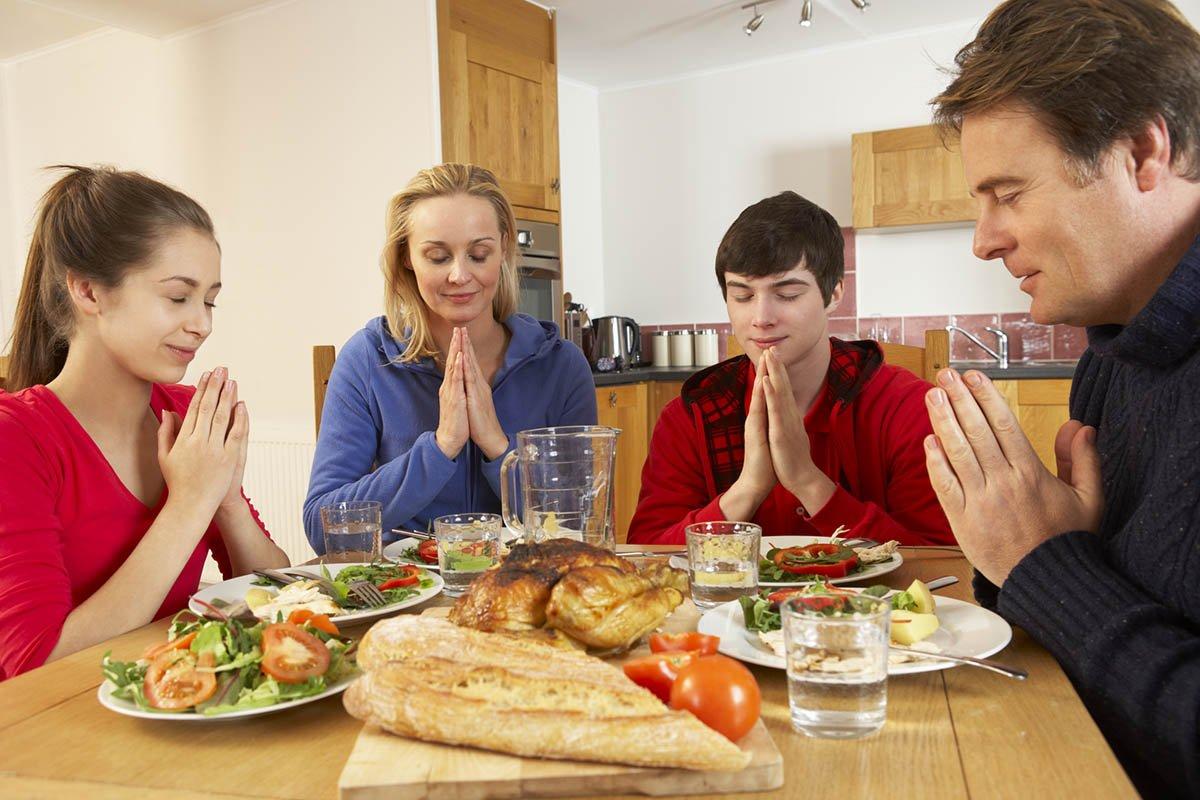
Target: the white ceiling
pixel 610 43
pixel 29 25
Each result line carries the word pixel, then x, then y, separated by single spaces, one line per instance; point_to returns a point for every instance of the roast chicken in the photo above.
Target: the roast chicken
pixel 591 595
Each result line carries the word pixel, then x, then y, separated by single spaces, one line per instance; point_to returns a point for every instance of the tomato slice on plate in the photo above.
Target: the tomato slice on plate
pixel 292 654
pixel 657 671
pixel 182 643
pixel 408 575
pixel 321 622
pixel 177 679
pixel 427 551
pixel 702 643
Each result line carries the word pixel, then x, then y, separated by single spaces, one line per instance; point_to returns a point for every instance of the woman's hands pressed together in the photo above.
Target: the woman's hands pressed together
pixel 466 411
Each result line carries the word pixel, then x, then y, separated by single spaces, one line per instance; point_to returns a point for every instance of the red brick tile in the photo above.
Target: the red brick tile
pixel 962 348
pixel 849 251
pixel 849 305
pixel 915 327
pixel 843 327
pixel 1069 342
pixel 881 329
pixel 1027 340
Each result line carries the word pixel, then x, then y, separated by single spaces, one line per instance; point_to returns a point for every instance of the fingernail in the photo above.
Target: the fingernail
pixel 973 379
pixel 219 373
pixel 204 377
pixel 937 397
pixel 946 377
pixel 232 384
pixel 931 443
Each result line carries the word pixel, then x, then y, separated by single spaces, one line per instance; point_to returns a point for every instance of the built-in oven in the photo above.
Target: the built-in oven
pixel 539 266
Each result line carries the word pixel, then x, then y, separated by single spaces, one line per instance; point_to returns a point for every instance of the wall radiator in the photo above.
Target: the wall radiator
pixel 276 481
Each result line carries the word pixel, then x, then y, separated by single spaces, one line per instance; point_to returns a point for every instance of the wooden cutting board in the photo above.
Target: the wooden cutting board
pixel 382 765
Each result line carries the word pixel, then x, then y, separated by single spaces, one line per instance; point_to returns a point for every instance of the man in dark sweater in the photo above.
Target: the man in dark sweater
pixel 1080 126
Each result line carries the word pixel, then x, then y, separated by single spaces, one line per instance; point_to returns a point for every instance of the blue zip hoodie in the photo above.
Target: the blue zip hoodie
pixel 378 423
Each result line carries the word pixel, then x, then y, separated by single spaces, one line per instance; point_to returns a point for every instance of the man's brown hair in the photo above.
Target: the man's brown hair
pixel 779 234
pixel 1092 71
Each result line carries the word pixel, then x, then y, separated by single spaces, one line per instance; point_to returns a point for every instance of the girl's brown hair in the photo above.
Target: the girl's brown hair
pixel 96 223
pixel 407 316
pixel 1092 71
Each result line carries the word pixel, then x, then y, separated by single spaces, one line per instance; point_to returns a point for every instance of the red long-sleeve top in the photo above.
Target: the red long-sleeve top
pixel 866 431
pixel 67 522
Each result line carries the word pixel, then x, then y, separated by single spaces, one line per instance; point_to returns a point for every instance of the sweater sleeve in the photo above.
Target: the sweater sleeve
pixel 348 446
pixel 1135 662
pixel 912 515
pixel 674 491
pixel 577 407
pixel 35 589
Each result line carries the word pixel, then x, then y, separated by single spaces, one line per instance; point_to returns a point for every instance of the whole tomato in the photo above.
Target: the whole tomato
pixel 722 694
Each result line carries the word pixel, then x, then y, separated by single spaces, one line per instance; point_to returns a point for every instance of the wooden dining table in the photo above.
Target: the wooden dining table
pixel 956 733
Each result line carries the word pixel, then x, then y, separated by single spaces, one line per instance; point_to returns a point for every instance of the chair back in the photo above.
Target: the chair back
pixel 3 371
pixel 323 358
pixel 924 362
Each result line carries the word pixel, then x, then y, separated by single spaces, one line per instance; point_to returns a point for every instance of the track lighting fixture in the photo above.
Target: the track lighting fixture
pixel 754 22
pixel 806 14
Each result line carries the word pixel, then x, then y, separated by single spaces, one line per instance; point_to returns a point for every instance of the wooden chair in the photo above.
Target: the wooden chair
pixel 323 357
pixel 3 371
pixel 924 362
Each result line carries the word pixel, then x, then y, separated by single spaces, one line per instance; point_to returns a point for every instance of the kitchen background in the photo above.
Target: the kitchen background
pixel 293 122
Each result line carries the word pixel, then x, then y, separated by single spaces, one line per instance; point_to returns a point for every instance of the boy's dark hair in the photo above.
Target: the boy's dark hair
pixel 780 233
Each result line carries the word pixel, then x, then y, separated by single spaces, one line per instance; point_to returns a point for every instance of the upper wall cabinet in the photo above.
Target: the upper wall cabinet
pixel 907 176
pixel 499 91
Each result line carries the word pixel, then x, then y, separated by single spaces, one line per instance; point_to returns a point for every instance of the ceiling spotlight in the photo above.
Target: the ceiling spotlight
pixel 861 5
pixel 753 24
pixel 806 14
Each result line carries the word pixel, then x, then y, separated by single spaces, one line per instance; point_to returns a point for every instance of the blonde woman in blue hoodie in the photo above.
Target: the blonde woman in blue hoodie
pixel 424 402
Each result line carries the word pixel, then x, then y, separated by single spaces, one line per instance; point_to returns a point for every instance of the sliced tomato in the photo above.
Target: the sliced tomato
pixel 657 671
pixel 182 643
pixel 702 643
pixel 722 694
pixel 830 560
pixel 319 621
pixel 409 576
pixel 427 551
pixel 177 679
pixel 292 654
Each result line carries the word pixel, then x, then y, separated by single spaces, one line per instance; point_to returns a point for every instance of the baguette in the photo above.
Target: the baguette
pixel 429 679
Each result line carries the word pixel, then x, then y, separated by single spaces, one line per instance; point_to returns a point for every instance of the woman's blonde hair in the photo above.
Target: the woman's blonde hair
pixel 407 314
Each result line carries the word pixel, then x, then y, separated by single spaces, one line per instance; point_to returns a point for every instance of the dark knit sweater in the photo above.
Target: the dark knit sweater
pixel 1121 610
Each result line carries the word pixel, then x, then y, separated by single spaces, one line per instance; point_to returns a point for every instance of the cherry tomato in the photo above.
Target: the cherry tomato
pixel 722 694
pixel 292 654
pixel 182 643
pixel 427 551
pixel 409 576
pixel 702 643
pixel 657 671
pixel 176 679
pixel 319 621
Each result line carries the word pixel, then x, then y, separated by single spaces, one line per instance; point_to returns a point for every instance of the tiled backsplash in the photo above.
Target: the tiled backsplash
pixel 1027 340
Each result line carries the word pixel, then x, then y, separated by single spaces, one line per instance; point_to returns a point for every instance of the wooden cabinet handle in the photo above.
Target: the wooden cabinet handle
pixel 554 185
pixel 612 399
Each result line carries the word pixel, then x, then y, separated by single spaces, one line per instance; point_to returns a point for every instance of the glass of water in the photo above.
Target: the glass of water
pixel 722 561
pixel 353 532
pixel 837 658
pixel 468 544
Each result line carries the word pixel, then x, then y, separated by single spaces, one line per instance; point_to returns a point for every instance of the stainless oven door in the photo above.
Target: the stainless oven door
pixel 541 295
pixel 539 268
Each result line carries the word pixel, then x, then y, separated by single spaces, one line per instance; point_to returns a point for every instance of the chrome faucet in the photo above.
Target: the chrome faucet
pixel 1001 344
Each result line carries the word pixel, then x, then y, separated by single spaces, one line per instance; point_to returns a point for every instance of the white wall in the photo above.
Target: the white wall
pixel 582 192
pixel 293 125
pixel 9 275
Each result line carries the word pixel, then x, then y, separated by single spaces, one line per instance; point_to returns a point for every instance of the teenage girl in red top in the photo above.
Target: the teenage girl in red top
pixel 115 483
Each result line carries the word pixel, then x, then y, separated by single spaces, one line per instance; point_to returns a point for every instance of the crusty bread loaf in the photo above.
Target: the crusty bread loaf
pixel 429 679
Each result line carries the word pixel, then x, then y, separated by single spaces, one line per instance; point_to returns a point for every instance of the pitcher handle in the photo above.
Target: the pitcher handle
pixel 506 508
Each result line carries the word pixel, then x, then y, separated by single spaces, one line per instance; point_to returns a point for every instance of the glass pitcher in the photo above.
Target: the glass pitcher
pixel 566 489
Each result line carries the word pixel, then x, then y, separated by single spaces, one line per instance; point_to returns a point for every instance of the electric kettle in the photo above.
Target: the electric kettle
pixel 618 343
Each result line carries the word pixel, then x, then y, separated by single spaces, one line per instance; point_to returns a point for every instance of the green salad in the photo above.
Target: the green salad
pixel 761 612
pixel 214 667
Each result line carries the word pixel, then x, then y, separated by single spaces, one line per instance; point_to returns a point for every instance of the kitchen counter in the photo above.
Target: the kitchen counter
pixel 1017 370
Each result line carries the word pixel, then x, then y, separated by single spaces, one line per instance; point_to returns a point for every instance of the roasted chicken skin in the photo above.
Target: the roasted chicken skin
pixel 605 607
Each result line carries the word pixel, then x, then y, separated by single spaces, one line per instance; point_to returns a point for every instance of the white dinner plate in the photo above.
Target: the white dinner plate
pixel 768 542
pixel 234 590
pixel 395 552
pixel 966 630
pixel 130 709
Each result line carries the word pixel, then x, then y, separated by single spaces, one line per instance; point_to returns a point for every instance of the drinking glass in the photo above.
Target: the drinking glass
pixel 353 531
pixel 836 665
pixel 722 561
pixel 468 544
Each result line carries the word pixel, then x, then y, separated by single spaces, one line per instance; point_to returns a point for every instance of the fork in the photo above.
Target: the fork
pixel 368 593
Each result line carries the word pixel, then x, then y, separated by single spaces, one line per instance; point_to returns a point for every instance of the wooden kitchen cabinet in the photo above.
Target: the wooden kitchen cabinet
pixel 1041 407
pixel 625 407
pixel 497 62
pixel 907 176
pixel 661 393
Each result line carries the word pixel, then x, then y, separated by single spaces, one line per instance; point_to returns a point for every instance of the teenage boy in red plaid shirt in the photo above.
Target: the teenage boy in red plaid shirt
pixel 804 434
